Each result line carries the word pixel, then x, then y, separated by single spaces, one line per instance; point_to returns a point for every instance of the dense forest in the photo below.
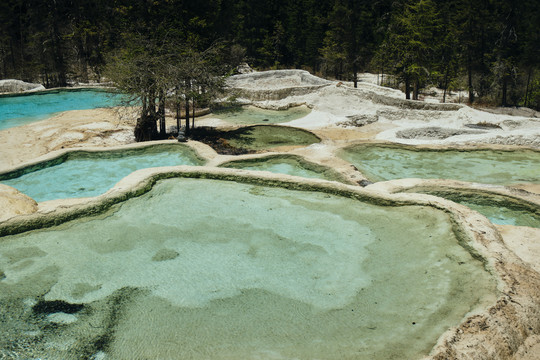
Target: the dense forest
pixel 489 48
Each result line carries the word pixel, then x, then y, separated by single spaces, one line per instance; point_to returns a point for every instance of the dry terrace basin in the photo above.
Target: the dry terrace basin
pixel 222 263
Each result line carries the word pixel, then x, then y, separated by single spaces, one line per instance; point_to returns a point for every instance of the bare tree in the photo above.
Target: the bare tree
pixel 159 72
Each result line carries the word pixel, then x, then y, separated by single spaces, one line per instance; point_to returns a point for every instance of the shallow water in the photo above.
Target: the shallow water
pixel 497 209
pixel 23 109
pixel 206 269
pixel 501 215
pixel 261 137
pixel 252 115
pixel 92 174
pixel 379 163
pixel 290 165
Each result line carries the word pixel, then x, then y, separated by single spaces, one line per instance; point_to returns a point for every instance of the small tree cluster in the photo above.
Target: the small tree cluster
pixel 164 73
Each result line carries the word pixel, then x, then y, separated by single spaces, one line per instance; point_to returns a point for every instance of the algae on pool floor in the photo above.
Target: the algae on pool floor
pixel 263 137
pixel 253 138
pixel 206 269
pixel 380 163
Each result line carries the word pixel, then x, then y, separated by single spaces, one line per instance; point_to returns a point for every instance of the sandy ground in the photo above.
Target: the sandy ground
pixel 378 114
pixel 523 241
pixel 71 129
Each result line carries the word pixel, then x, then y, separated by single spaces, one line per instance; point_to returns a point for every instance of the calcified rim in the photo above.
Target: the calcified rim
pixel 439 147
pixel 309 165
pixel 515 306
pixel 100 88
pixel 60 156
pixel 512 195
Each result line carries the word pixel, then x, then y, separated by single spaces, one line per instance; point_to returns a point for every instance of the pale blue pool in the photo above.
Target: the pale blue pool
pixel 85 174
pixel 23 109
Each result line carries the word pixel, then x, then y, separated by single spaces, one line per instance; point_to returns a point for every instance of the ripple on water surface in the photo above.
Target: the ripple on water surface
pixel 380 163
pixel 208 269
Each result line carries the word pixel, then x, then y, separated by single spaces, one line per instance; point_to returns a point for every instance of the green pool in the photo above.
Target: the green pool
pixel 380 163
pixel 287 164
pixel 250 115
pixel 499 210
pixel 208 269
pixel 262 137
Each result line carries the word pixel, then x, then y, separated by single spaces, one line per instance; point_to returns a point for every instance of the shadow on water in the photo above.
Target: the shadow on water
pixel 250 139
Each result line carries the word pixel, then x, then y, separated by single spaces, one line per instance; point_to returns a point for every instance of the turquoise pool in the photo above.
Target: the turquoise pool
pixel 84 174
pixel 22 109
pixel 381 163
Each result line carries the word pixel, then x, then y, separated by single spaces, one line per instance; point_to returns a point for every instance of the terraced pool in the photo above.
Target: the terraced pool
pixel 250 115
pixel 287 164
pixel 218 270
pixel 380 163
pixel 18 110
pixel 84 174
pixel 499 210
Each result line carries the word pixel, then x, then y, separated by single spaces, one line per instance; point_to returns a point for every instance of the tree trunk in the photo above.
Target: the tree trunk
pixel 13 61
pixel 58 52
pixel 407 88
pixel 143 128
pixel 415 90
pixel 355 75
pixel 470 85
pixel 178 114
pixel 4 65
pixel 529 75
pixel 187 117
pixel 445 84
pixel 161 115
pixel 193 114
pixel 83 58
pixel 152 115
pixel 504 102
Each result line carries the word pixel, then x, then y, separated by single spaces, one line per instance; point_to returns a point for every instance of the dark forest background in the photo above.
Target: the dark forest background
pixel 489 48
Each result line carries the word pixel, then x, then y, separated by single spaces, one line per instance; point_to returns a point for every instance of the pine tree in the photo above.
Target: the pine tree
pixel 412 41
